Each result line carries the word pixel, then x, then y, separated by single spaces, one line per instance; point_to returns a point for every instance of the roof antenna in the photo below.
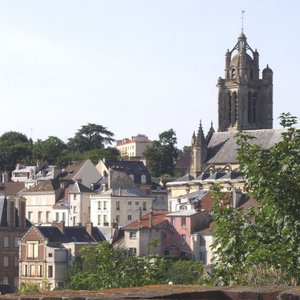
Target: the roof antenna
pixel 243 18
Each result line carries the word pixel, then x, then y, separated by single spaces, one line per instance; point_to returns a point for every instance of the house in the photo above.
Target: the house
pixel 82 171
pixel 40 199
pixel 150 234
pixel 186 243
pixel 136 170
pixel 119 200
pixel 133 147
pixel 65 198
pixel 13 225
pixel 46 252
pixel 79 204
pixel 23 173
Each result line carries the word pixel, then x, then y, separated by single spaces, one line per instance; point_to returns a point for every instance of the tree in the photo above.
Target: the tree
pixel 49 150
pixel 14 148
pixel 162 154
pixel 268 237
pixel 89 137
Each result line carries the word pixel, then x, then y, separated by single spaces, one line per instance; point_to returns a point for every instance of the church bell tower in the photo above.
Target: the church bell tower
pixel 245 101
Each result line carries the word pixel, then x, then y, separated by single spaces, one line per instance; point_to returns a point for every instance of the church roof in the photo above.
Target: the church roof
pixel 222 147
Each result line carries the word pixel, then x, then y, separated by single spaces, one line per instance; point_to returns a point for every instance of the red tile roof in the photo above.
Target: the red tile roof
pixel 158 218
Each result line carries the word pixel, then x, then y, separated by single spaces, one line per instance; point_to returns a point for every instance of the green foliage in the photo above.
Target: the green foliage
pixel 184 272
pixel 162 154
pixel 89 137
pixel 28 288
pixel 49 150
pixel 102 267
pixel 270 234
pixel 14 148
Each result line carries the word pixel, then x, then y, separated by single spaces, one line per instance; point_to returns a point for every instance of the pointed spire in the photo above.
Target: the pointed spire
pixel 200 135
pixel 210 132
pixel 194 139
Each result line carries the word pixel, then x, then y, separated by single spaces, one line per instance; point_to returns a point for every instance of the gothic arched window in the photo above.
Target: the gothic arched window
pixel 234 107
pixel 233 73
pixel 250 107
pixel 229 107
pixel 254 108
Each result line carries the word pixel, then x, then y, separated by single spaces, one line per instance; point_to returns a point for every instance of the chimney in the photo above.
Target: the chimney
pixel 5 177
pixel 11 213
pixel 60 226
pixel 140 214
pixel 89 228
pixel 151 218
pixel 18 166
pixel 21 212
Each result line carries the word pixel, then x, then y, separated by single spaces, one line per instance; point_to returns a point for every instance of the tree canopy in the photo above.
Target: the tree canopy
pixel 102 267
pixel 15 148
pixel 267 237
pixel 89 137
pixel 162 154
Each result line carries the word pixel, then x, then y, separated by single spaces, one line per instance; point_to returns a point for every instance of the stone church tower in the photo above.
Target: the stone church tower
pixel 245 103
pixel 245 100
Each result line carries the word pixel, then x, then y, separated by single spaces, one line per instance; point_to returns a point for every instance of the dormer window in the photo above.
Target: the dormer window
pixel 233 73
pixel 143 179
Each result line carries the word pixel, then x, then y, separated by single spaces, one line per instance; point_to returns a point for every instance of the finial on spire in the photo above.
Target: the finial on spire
pixel 243 18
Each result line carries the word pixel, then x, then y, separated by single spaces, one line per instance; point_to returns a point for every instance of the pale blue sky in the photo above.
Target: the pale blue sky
pixel 135 66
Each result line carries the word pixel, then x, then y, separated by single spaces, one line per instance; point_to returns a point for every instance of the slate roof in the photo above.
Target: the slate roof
pixel 222 147
pixel 49 185
pixel 78 187
pixel 11 188
pixel 71 234
pixel 184 178
pixel 129 192
pixel 72 169
pixel 136 168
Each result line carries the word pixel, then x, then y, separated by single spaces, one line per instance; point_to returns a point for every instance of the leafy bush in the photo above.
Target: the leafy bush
pixel 28 288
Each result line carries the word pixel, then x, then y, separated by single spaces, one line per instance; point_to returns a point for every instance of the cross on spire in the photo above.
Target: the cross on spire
pixel 243 18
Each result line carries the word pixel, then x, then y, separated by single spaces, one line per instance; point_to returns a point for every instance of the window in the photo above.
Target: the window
pixel 5 261
pixel 16 242
pixel 74 209
pixel 99 205
pixel 40 271
pixel 129 217
pixel 30 216
pixel 136 203
pixel 50 271
pixel 132 235
pixel 47 216
pixel 143 179
pixel 132 251
pixel 57 217
pixel 74 221
pixel 39 217
pixel 32 250
pixel 105 223
pixel 173 220
pixel 118 218
pixel 118 205
pixel 50 254
pixel 182 207
pixel 104 205
pixel 5 241
pixel 144 206
pixel 25 270
pixel 64 217
pixel 183 221
pixel 183 239
pixel 99 220
pixel 129 203
pixel 32 271
pixel 74 196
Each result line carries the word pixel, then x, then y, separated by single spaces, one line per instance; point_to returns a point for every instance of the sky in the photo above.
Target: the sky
pixel 135 66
